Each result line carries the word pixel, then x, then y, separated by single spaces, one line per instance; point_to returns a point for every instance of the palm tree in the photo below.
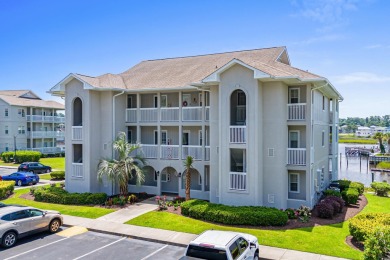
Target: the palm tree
pixel 124 168
pixel 380 137
pixel 188 165
pixel 387 138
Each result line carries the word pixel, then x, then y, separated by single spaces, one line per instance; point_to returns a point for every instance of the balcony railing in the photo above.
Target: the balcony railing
pixel 169 114
pixel 77 133
pixel 237 134
pixel 191 150
pixel 131 115
pixel 296 111
pixel 192 114
pixel 41 118
pixel 77 170
pixel 169 152
pixel 149 151
pixel 148 114
pixel 237 181
pixel 207 114
pixel 42 134
pixel 207 153
pixel 296 156
pixel 46 150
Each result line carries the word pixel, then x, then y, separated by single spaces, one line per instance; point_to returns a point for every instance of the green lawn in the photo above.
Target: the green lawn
pixel 56 163
pixel 351 138
pixel 45 176
pixel 327 240
pixel 78 211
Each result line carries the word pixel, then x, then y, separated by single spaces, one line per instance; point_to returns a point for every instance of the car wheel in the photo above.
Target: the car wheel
pixel 256 256
pixel 9 239
pixel 19 183
pixel 47 171
pixel 54 225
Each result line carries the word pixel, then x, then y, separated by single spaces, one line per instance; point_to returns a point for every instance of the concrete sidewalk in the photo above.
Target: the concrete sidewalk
pixel 113 224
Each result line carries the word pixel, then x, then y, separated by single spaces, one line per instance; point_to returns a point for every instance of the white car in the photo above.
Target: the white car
pixel 226 245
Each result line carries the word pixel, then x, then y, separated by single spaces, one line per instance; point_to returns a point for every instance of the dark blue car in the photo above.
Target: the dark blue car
pixel 22 178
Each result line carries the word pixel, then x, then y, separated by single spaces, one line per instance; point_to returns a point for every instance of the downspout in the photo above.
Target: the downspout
pixel 113 130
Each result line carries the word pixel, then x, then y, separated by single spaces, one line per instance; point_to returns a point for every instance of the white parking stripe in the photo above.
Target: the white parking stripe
pixel 155 252
pixel 36 248
pixel 100 248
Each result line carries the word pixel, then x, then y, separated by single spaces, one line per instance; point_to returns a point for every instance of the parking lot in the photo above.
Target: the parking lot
pixel 88 245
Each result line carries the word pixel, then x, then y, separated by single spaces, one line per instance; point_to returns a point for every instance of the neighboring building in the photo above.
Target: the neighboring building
pixel 363 131
pixel 29 123
pixel 261 131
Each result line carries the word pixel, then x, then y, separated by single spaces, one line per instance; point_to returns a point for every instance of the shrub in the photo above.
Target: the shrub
pixel 332 193
pixel 335 205
pixel 357 185
pixel 340 201
pixel 291 213
pixel 383 165
pixel 363 225
pixel 377 245
pixel 303 213
pixel 21 156
pixel 344 184
pixel 381 188
pixel 230 215
pixel 59 175
pixel 6 188
pixel 325 209
pixel 350 196
pixel 132 199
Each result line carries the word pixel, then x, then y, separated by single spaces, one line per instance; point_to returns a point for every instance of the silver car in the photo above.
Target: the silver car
pixel 17 222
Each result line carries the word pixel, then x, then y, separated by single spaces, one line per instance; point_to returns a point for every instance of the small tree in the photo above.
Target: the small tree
pixel 188 165
pixel 380 137
pixel 124 168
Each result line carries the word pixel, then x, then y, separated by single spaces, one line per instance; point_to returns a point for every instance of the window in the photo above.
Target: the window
pixel 7 147
pixel 186 99
pixel 200 99
pixel 6 129
pixel 294 95
pixel 165 177
pixel 155 99
pixel 186 137
pixel 323 102
pixel 200 138
pixel 21 130
pixel 164 101
pixel 293 139
pixel 129 101
pixel 21 112
pixel 243 244
pixel 129 135
pixel 234 250
pixel 323 138
pixel 155 137
pixel 293 180
pixel 164 139
pixel 241 98
pixel 6 112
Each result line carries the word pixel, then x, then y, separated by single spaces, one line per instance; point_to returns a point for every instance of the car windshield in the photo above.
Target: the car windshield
pixel 206 253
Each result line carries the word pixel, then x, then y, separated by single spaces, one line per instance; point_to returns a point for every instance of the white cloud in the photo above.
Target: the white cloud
pixel 374 46
pixel 323 38
pixel 361 77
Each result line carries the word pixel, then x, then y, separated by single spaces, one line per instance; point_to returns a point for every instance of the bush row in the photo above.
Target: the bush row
pixel 61 196
pixel 21 156
pixel 330 206
pixel 350 196
pixel 363 225
pixel 230 215
pixel 381 188
pixel 58 175
pixel 6 188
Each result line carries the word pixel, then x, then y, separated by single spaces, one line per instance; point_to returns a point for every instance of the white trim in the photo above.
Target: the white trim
pixel 289 138
pixel 289 183
pixel 289 95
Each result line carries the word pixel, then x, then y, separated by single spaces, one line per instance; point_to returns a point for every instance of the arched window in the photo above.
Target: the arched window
pixel 238 108
pixel 77 112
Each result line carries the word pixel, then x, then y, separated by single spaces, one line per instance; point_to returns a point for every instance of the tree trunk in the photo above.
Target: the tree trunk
pixel 188 184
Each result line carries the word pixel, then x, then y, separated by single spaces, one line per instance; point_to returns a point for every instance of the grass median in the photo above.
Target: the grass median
pixel 326 239
pixel 56 163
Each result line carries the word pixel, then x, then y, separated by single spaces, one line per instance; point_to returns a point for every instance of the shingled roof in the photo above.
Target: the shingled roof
pixel 26 98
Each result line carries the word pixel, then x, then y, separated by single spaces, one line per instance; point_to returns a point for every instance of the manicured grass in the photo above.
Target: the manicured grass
pixel 56 163
pixel 78 211
pixel 352 139
pixel 327 240
pixel 45 176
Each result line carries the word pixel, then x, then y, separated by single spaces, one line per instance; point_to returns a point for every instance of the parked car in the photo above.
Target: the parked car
pixel 22 178
pixel 17 222
pixel 34 167
pixel 226 245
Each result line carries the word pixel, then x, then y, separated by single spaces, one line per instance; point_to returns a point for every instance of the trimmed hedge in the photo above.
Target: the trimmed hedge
pixel 340 201
pixel 21 156
pixel 350 196
pixel 6 188
pixel 377 245
pixel 344 184
pixel 60 175
pixel 363 225
pixel 325 209
pixel 332 193
pixel 381 188
pixel 358 186
pixel 60 196
pixel 231 215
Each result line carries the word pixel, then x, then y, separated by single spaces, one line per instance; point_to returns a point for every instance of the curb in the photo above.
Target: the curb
pixel 131 236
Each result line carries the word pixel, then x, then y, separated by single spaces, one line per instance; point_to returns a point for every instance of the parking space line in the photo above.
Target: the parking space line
pixel 155 252
pixel 100 248
pixel 36 248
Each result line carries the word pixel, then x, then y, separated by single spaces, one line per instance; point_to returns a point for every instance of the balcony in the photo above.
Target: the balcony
pixel 169 114
pixel 149 151
pixel 207 153
pixel 238 134
pixel 296 111
pixel 46 150
pixel 48 119
pixel 77 170
pixel 296 156
pixel 77 133
pixel 169 152
pixel 42 134
pixel 237 181
pixel 207 114
pixel 131 115
pixel 194 151
pixel 331 114
pixel 148 114
pixel 192 113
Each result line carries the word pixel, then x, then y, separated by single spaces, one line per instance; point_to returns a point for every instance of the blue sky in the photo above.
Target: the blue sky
pixel 346 41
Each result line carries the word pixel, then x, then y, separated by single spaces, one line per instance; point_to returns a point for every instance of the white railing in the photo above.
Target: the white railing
pixel 169 113
pixel 40 118
pixel 42 134
pixel 34 118
pixel 237 134
pixel 207 153
pixel 169 152
pixel 237 180
pixel 77 133
pixel 149 151
pixel 46 150
pixel 191 150
pixel 296 156
pixel 296 111
pixel 131 115
pixel 77 170
pixel 207 114
pixel 59 119
pixel 148 114
pixel 192 114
